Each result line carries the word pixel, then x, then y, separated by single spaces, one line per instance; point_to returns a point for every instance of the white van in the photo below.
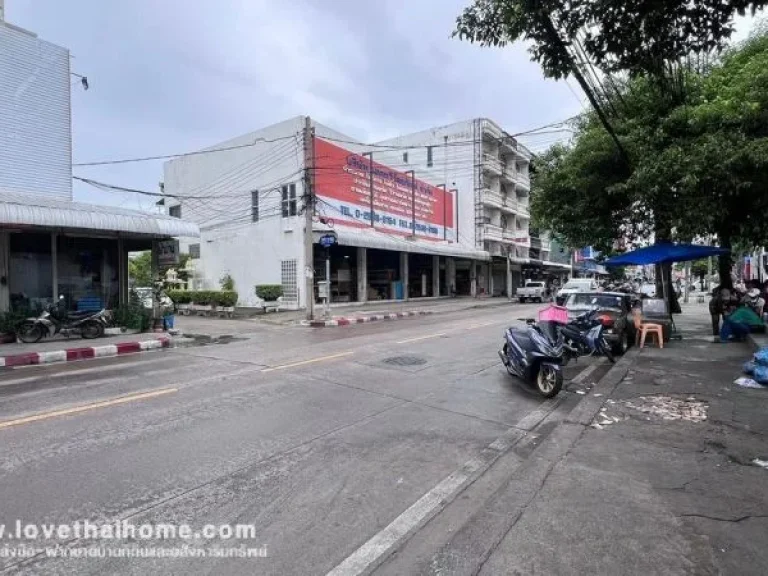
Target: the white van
pixel 574 286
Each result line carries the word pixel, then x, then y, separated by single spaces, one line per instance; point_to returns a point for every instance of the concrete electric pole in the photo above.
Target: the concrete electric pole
pixel 309 210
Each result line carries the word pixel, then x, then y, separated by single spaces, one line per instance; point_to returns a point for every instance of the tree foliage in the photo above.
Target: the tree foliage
pixel 699 168
pixel 640 37
pixel 140 269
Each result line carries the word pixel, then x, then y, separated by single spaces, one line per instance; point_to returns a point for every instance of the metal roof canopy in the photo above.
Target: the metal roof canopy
pixel 366 238
pixel 22 210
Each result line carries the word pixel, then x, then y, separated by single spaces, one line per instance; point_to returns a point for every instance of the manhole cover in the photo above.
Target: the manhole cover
pixel 405 361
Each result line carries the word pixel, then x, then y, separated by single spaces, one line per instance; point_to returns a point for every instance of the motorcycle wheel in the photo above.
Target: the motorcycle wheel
pixel 92 330
pixel 29 332
pixel 549 380
pixel 607 351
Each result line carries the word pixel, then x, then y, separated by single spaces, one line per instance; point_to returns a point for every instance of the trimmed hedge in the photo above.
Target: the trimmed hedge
pixel 223 298
pixel 269 292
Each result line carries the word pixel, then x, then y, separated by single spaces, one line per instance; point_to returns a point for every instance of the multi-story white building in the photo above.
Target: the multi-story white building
pixel 491 170
pixel 466 187
pixel 50 245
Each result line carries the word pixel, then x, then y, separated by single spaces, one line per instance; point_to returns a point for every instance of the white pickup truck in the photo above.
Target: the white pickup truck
pixel 534 291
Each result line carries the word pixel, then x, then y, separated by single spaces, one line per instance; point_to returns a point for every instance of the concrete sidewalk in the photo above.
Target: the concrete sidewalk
pixel 662 480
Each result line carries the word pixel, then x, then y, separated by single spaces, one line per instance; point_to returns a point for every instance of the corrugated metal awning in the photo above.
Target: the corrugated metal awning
pixel 22 210
pixel 367 238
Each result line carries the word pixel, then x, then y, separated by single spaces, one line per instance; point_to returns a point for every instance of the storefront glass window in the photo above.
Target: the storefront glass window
pixel 30 274
pixel 88 272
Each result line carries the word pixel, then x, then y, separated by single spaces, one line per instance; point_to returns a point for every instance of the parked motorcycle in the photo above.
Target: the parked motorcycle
pixel 583 336
pixel 532 355
pixel 56 319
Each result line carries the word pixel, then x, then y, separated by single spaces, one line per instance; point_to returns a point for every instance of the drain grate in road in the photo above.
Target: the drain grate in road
pixel 405 361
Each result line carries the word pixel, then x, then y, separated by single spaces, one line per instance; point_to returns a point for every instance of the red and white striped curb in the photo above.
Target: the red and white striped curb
pixel 364 319
pixel 70 354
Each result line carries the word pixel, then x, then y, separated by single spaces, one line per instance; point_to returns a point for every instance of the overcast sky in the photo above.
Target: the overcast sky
pixel 169 76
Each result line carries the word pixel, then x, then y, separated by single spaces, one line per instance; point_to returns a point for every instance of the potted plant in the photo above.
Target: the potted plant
pixel 225 301
pixel 270 294
pixel 8 323
pixel 203 301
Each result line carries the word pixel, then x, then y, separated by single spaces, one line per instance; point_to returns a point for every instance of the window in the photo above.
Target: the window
pixel 175 211
pixel 194 251
pixel 289 200
pixel 254 206
pixel 429 156
pixel 405 157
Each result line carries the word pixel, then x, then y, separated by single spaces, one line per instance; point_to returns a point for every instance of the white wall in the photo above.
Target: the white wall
pixel 215 191
pixel 35 127
pixel 452 164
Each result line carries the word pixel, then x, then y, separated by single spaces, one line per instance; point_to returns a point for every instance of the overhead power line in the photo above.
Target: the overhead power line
pixel 183 154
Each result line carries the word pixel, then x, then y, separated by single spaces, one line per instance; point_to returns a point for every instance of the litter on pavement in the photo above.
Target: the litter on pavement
pixel 748 383
pixel 761 463
pixel 668 408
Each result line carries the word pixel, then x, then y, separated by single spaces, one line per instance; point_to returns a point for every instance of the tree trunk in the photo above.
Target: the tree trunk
pixel 725 264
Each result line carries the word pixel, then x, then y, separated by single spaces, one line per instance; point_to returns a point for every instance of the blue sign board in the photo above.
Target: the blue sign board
pixel 327 240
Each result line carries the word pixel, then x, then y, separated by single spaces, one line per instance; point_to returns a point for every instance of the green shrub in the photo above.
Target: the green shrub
pixel 133 316
pixel 9 321
pixel 180 296
pixel 269 292
pixel 225 298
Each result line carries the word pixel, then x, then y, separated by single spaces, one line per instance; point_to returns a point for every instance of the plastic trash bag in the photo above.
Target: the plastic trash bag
pixel 749 367
pixel 747 383
pixel 761 374
pixel 761 356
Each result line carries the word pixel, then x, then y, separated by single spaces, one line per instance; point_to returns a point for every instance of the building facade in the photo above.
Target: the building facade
pixel 491 169
pixel 50 245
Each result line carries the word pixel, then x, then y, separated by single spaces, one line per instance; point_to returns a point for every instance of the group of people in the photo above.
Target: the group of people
pixel 741 310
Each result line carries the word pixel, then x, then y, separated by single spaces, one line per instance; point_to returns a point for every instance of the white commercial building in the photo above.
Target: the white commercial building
pixel 465 186
pixel 50 245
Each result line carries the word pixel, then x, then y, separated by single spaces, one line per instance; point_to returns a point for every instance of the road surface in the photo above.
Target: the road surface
pixel 337 445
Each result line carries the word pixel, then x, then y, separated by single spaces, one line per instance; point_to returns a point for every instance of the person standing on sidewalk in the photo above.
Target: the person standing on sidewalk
pixel 716 309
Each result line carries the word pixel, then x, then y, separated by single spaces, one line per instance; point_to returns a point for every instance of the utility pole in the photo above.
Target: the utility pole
pixel 444 188
pixel 455 193
pixel 309 209
pixel 413 201
pixel 370 182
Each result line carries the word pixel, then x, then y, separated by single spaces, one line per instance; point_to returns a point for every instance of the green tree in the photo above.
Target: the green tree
pixel 140 269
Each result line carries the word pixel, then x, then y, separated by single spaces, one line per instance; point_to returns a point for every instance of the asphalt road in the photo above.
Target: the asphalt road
pixel 337 444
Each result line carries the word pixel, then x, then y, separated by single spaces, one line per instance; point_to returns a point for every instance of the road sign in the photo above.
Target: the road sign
pixel 327 240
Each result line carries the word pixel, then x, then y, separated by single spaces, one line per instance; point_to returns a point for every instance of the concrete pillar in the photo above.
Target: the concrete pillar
pixel 5 257
pixel 404 273
pixel 55 267
pixel 450 274
pixel 473 278
pixel 362 274
pixel 435 275
pixel 509 280
pixel 122 271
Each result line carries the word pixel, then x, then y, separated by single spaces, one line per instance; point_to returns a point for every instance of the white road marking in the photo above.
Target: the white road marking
pixel 78 372
pixel 417 338
pixel 310 361
pixel 362 559
pixel 584 374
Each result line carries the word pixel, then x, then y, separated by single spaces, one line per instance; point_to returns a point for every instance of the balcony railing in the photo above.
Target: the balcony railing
pixel 492 198
pixel 492 232
pixel 523 180
pixel 515 207
pixel 492 164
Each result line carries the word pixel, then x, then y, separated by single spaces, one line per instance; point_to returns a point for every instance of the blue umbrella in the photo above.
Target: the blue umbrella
pixel 663 253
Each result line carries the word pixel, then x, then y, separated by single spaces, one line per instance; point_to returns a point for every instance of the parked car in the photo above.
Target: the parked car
pixel 535 291
pixel 614 311
pixel 574 286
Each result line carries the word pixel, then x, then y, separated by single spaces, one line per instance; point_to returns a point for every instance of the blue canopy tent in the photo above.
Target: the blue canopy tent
pixel 665 253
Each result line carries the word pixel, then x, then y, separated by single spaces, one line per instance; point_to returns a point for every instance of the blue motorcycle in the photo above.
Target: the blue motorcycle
pixel 583 336
pixel 534 356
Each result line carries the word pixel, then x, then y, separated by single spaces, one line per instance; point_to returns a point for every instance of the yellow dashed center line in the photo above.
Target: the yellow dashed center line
pixel 87 407
pixel 310 361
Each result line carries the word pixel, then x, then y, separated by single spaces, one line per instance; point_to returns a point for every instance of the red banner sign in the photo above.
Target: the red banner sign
pixel 343 187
